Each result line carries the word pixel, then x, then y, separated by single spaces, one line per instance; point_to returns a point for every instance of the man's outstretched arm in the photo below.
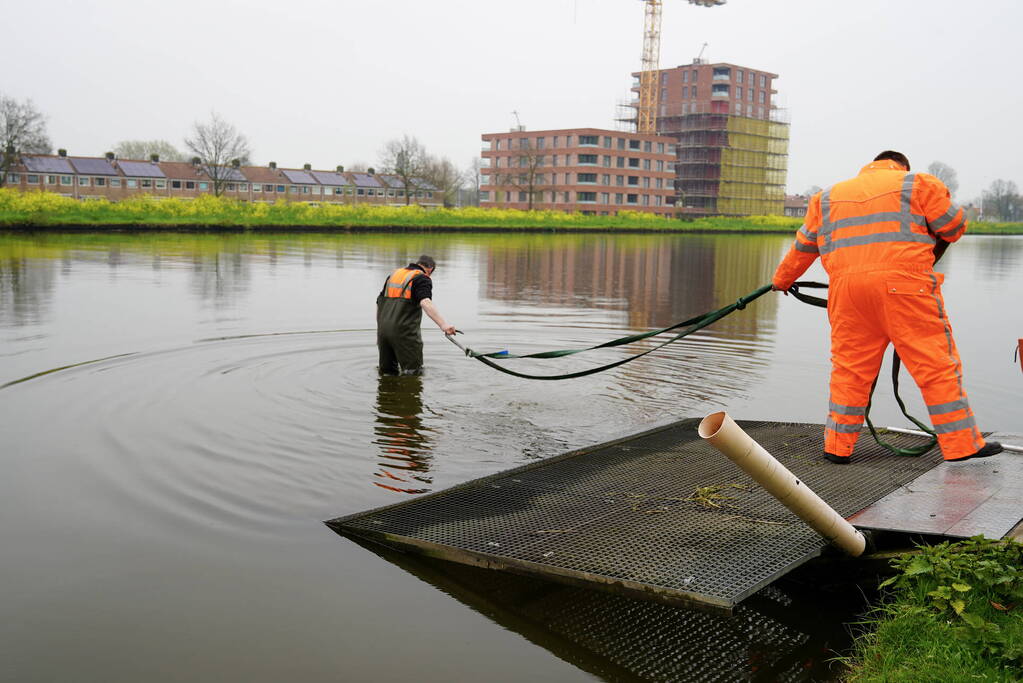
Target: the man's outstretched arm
pixel 435 316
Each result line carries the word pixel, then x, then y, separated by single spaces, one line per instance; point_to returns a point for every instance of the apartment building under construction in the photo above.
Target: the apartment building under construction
pixel 732 142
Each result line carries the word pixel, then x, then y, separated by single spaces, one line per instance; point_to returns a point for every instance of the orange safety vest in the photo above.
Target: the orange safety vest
pixel 399 285
pixel 884 218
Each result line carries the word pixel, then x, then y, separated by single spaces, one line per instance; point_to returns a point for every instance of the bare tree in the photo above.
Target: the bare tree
pixel 525 172
pixel 443 175
pixel 1002 199
pixel 473 178
pixel 945 174
pixel 217 144
pixel 145 149
pixel 22 131
pixel 407 159
pixel 812 190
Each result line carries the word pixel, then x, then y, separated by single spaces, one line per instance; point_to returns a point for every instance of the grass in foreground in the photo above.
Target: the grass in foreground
pixel 956 614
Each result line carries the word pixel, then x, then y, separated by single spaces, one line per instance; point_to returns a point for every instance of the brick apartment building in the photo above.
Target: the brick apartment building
pixel 589 170
pixel 732 143
pixel 117 179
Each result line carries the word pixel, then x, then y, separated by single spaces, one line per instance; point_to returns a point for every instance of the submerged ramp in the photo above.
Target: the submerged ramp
pixel 659 514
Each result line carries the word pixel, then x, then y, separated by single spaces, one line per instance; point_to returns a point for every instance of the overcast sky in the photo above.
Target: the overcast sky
pixel 328 82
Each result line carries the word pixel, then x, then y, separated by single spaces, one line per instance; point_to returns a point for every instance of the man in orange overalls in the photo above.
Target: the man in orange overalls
pixel 878 236
pixel 400 305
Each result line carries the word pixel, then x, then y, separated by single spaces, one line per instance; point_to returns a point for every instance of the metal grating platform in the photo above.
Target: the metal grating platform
pixel 621 515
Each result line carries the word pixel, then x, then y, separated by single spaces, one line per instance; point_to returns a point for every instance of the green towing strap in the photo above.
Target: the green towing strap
pixel 691 325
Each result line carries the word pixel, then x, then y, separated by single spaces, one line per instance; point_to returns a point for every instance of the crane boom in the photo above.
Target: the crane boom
pixel 649 88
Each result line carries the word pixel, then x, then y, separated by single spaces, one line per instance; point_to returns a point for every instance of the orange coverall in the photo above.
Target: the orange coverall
pixel 875 235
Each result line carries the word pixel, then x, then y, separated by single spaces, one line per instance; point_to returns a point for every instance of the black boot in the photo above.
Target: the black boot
pixel 990 448
pixel 837 459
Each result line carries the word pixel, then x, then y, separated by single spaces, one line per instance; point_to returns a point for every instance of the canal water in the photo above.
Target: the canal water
pixel 179 413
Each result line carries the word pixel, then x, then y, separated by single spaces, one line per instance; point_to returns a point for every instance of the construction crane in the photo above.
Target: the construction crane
pixel 649 88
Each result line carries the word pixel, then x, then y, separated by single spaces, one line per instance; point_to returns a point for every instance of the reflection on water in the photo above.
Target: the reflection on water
pixel 154 504
pixel 403 440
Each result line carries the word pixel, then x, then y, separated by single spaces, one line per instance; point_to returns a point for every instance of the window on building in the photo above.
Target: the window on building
pixel 763 81
pixel 51 180
pixel 762 96
pixel 749 94
pixel 522 196
pixel 749 110
pixel 280 188
pixel 203 187
pixel 589 140
pixel 685 92
pixel 619 197
pixel 660 148
pixel 619 180
pixel 555 140
pixel 694 92
pixel 720 90
pixel 634 144
pixel 541 142
pixel 230 187
pixel 268 188
pixel 606 161
pixel 647 146
pixel 13 178
pixel 147 183
pixel 621 143
pixel 349 191
pixel 115 182
pixel 99 182
pixel 738 108
pixel 646 164
pixel 685 76
pixel 293 189
pixel 242 187
pixel 646 200
pixel 695 75
pixel 484 195
pixel 586 196
pixel 33 179
pixel 523 143
pixel 632 198
pixel 664 94
pixel 360 192
pixel 568 141
pixel 738 76
pixel 189 185
pixel 619 162
pixel 564 197
pixel 371 192
pixel 605 198
pixel 605 179
pixel 633 181
pixel 659 183
pixel 175 184
pixel 131 183
pixel 607 141
pixel 760 113
pixel 585 159
pixel 586 178
pixel 646 182
pixel 660 166
pixel 633 162
pixel 658 200
pixel 722 73
pixel 256 188
pixel 664 78
pixel 523 162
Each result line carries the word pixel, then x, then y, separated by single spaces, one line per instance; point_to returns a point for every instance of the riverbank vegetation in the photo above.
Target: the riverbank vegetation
pixel 48 210
pixel 955 613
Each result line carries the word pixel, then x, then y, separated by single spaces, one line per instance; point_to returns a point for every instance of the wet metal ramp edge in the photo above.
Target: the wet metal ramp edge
pixel 627 514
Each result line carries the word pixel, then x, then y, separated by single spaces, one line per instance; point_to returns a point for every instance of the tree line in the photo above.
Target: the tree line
pixel 219 147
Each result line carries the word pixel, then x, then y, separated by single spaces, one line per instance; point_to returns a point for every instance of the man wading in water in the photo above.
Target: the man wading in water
pixel 400 305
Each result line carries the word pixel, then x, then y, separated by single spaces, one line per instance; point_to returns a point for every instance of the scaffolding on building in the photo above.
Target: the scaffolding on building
pixel 731 162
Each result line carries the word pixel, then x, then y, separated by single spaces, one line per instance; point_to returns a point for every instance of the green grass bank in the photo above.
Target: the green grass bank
pixel 955 613
pixel 40 210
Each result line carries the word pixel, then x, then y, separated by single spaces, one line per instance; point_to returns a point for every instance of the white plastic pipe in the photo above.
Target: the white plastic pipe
pixel 721 432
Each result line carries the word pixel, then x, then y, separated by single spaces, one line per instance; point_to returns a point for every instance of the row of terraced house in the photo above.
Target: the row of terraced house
pixel 111 178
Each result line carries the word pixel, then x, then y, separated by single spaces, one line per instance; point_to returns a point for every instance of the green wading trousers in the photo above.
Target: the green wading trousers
pixel 398 336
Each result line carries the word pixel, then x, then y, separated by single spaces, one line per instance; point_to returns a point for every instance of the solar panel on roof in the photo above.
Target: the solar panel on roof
pixel 366 180
pixel 140 169
pixel 298 176
pixel 393 181
pixel 331 178
pixel 47 164
pixel 227 173
pixel 93 166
